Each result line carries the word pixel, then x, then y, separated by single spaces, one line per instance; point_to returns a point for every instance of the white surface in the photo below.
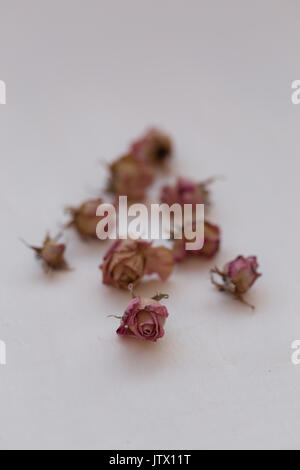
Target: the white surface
pixel 84 78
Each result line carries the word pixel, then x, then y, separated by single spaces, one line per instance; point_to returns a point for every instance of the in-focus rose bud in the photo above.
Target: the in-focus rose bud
pixel 154 147
pixel 186 192
pixel 212 239
pixel 237 276
pixel 130 176
pixel 51 254
pixel 84 218
pixel 127 261
pixel 144 319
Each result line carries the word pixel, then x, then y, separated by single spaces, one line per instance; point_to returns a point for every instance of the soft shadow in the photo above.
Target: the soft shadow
pixel 228 303
pixel 149 287
pixel 194 263
pixel 142 358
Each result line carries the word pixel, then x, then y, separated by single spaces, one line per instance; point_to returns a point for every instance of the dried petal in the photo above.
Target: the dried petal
pixel 51 254
pixel 130 177
pixel 84 218
pixel 237 277
pixel 242 272
pixel 124 263
pixel 179 250
pixel 212 239
pixel 143 319
pixel 185 192
pixel 154 147
pixel 127 261
pixel 160 260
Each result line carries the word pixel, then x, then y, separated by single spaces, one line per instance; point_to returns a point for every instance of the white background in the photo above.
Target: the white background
pixel 83 79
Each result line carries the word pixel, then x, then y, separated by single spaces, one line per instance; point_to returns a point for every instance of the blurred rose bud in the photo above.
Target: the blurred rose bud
pixel 238 276
pixel 84 218
pixel 212 239
pixel 124 263
pixel 130 177
pixel 143 319
pixel 51 254
pixel 127 261
pixel 154 147
pixel 186 192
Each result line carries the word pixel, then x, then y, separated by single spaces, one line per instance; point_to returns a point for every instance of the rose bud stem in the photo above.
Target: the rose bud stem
pixel 160 297
pixel 131 290
pixel 211 180
pixel 243 301
pixel 222 288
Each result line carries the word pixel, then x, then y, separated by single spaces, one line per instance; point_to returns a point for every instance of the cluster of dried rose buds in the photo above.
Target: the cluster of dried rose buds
pixel 237 277
pixel 127 261
pixel 132 174
pixel 51 253
pixel 144 318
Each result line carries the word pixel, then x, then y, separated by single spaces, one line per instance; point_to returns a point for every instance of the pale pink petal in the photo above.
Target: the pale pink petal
pixel 159 260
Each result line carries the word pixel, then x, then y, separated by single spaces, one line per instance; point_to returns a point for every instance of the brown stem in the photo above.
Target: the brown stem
pixel 131 290
pixel 215 283
pixel 160 297
pixel 243 301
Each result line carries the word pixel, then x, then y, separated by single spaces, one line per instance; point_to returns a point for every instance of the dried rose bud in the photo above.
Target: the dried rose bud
pixel 84 218
pixel 186 192
pixel 238 276
pixel 144 319
pixel 130 177
pixel 127 261
pixel 51 254
pixel 154 147
pixel 212 239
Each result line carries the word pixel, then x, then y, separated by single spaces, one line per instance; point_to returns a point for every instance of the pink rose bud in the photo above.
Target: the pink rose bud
pixel 127 261
pixel 144 319
pixel 130 177
pixel 212 239
pixel 51 254
pixel 154 147
pixel 84 218
pixel 238 276
pixel 186 192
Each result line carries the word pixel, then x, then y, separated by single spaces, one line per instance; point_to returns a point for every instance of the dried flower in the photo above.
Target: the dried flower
pixel 144 319
pixel 238 276
pixel 154 147
pixel 51 254
pixel 84 218
pixel 212 238
pixel 130 176
pixel 127 261
pixel 186 192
